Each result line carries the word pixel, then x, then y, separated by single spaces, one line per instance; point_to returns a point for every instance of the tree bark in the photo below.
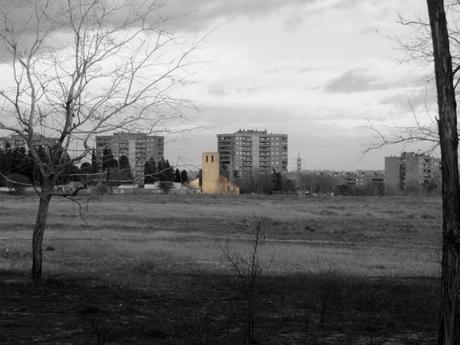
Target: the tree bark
pixel 37 238
pixel 447 126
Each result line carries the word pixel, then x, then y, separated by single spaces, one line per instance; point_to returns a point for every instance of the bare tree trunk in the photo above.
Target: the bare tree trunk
pixel 447 126
pixel 37 238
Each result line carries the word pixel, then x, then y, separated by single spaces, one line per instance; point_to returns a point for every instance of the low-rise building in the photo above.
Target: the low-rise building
pixel 411 172
pixel 16 141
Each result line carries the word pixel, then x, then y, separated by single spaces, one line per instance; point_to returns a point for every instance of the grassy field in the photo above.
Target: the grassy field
pixel 150 269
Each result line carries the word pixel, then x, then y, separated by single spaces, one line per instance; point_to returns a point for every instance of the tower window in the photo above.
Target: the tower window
pixel 206 158
pixel 212 159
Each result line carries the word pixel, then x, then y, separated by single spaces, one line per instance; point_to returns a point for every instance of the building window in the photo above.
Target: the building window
pixel 206 158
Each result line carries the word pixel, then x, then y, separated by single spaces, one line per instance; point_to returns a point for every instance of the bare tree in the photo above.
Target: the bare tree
pixel 247 270
pixel 80 68
pixel 447 125
pixel 416 46
pixel 436 41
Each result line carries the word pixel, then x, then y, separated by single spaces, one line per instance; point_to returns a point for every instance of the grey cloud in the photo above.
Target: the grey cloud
pixel 225 88
pixel 355 80
pixel 362 80
pixel 56 14
pixel 252 89
pixel 182 14
pixel 292 23
pixel 413 100
pixel 217 91
pixel 18 17
pixel 229 118
pixel 175 15
pixel 196 14
pixel 369 30
pixel 350 4
pixel 291 69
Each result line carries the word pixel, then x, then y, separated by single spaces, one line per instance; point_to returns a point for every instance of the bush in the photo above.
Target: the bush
pixel 101 189
pixel 165 186
pixel 18 182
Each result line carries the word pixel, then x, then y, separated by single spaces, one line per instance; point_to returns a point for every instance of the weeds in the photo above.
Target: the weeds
pixel 99 329
pixel 13 258
pixel 329 288
pixel 247 270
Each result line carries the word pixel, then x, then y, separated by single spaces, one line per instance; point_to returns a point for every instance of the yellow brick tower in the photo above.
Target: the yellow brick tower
pixel 210 173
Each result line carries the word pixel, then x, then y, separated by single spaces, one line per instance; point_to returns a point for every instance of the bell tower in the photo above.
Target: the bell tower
pixel 210 172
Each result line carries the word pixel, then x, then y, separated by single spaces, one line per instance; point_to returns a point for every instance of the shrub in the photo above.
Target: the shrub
pixel 18 182
pixel 165 186
pixel 101 189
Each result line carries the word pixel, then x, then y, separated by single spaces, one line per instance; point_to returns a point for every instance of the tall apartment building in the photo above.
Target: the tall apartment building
pixel 138 147
pixel 252 151
pixel 16 141
pixel 411 171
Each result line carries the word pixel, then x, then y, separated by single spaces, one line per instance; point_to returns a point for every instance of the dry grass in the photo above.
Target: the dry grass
pixel 363 236
pixel 150 267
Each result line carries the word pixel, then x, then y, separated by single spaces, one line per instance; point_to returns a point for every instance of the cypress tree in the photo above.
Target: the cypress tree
pixel 177 176
pixel 93 161
pixel 150 171
pixel 184 176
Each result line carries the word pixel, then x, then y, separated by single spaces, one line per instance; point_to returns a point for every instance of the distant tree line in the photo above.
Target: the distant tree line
pixel 265 183
pixel 162 171
pixel 121 171
pixel 17 167
pixel 317 184
pixel 327 184
pixel 371 188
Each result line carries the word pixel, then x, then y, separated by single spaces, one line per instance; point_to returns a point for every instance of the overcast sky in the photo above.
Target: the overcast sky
pixel 317 70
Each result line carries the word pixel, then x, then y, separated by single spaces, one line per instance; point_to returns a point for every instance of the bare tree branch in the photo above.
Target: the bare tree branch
pixel 82 68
